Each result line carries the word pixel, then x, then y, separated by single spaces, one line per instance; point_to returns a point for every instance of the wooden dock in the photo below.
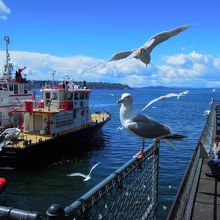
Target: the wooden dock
pixel 207 200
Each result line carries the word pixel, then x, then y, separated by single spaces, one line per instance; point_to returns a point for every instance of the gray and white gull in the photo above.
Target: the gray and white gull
pixel 143 52
pixel 143 126
pixel 165 97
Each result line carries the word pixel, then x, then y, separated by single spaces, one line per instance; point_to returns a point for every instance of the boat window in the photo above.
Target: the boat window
pixel 15 89
pixel 5 87
pixel 70 96
pixel 87 95
pixel 11 87
pixel 76 96
pixel 74 113
pixel 81 95
pixel 25 88
pixel 47 96
pixel 55 96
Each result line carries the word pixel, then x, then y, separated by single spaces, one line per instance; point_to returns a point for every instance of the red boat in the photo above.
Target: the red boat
pixel 3 184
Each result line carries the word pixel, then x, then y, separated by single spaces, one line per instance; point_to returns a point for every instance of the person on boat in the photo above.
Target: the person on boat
pixel 214 164
pixel 18 76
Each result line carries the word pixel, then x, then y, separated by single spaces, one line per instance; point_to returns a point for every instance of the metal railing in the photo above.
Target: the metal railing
pixel 131 192
pixel 183 203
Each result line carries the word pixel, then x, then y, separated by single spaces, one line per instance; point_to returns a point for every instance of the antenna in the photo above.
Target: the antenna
pixel 53 73
pixel 6 38
pixel 8 66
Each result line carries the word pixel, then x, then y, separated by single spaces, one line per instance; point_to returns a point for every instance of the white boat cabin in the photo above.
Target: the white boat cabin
pixel 61 109
pixel 13 91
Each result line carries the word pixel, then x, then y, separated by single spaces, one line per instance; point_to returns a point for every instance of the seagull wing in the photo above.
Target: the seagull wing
pixel 147 127
pixel 93 168
pixel 77 174
pixel 164 97
pixel 151 102
pixel 120 55
pixel 163 36
pixel 176 94
pixel 182 94
pixel 171 95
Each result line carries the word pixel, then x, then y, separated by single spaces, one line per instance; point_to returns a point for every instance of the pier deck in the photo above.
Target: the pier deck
pixel 207 200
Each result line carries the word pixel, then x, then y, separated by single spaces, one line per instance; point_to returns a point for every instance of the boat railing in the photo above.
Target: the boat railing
pixel 99 117
pixel 183 202
pixel 53 105
pixel 132 189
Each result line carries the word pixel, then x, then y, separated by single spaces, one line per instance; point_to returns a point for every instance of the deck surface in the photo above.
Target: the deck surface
pixel 207 202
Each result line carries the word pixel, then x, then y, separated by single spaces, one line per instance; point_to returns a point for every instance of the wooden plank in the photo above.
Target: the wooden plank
pixel 207 201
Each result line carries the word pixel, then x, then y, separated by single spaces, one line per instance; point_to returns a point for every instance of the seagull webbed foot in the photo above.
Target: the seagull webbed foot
pixel 139 155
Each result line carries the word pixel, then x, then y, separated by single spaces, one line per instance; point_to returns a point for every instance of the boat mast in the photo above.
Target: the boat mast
pixel 8 66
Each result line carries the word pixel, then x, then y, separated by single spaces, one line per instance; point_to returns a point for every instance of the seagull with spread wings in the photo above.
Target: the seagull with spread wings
pixel 86 177
pixel 143 53
pixel 165 97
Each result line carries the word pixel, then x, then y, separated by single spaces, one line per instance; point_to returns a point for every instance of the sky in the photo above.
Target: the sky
pixel 76 38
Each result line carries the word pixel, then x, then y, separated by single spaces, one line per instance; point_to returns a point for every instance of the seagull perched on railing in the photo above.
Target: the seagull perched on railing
pixel 165 97
pixel 143 53
pixel 142 125
pixel 86 177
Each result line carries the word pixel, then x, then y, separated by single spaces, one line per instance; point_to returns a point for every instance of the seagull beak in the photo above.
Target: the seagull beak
pixel 120 101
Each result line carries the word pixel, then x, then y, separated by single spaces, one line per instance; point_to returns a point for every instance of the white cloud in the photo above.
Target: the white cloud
pixel 4 11
pixel 193 69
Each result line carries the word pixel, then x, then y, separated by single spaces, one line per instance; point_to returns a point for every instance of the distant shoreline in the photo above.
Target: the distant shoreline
pixel 90 85
pixel 110 86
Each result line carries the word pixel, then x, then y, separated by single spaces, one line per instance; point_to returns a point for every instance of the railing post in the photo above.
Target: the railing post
pixel 155 177
pixel 55 212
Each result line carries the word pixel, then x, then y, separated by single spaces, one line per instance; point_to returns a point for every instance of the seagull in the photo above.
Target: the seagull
pixel 143 52
pixel 164 97
pixel 212 100
pixel 206 112
pixel 86 177
pixel 143 126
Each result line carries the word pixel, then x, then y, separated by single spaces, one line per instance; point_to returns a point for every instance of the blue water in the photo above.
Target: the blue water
pixel 38 189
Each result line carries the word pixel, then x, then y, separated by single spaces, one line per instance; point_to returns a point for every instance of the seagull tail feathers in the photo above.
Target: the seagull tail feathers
pixel 167 139
pixel 174 137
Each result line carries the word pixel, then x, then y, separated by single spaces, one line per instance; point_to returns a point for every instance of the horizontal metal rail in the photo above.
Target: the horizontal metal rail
pixel 17 214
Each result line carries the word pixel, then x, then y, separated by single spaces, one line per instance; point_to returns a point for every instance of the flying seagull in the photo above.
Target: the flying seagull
pixel 143 52
pixel 206 112
pixel 143 126
pixel 165 97
pixel 86 177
